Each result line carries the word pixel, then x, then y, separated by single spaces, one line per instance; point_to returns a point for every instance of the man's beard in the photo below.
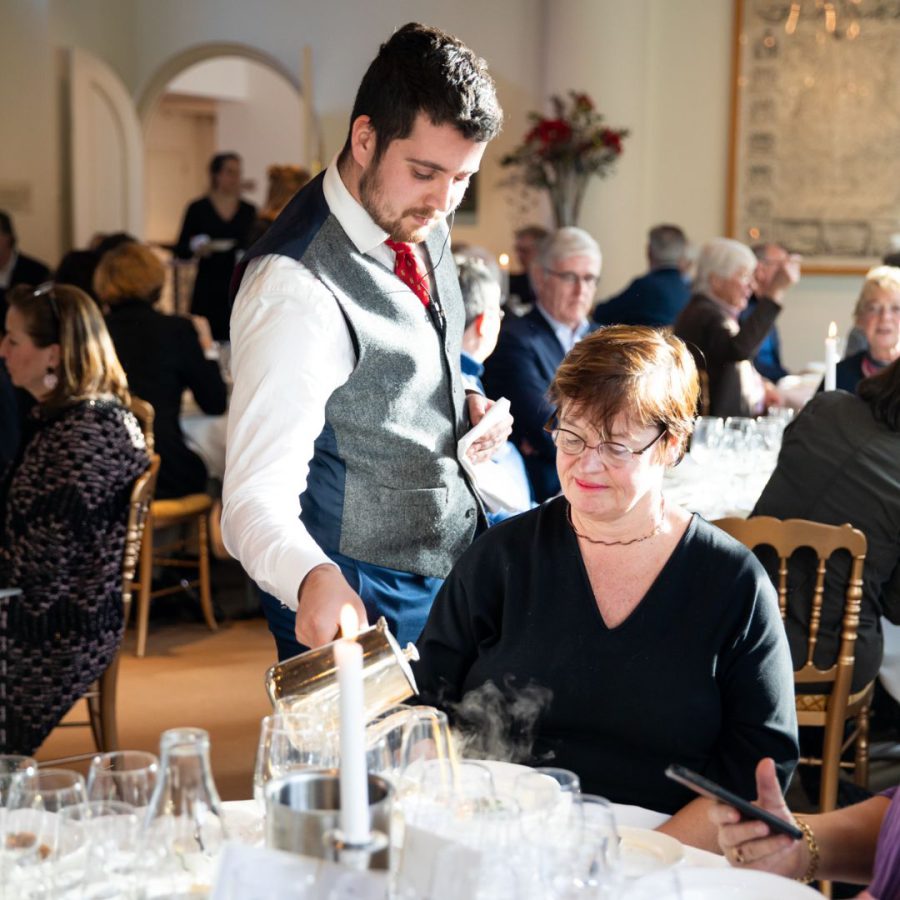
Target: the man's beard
pixel 376 205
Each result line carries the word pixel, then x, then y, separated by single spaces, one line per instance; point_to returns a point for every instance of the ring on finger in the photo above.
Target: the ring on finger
pixel 739 856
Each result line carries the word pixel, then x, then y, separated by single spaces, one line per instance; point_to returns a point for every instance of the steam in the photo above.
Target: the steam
pixel 495 723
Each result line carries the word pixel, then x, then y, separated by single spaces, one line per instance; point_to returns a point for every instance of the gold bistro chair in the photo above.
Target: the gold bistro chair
pixel 101 698
pixel 832 706
pixel 180 512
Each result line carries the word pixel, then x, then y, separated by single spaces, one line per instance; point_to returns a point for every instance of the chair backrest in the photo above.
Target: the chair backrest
pixel 139 507
pixel 792 534
pixel 145 414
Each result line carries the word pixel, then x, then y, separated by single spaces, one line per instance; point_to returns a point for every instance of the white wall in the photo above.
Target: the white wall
pixel 264 128
pixel 220 79
pixel 660 67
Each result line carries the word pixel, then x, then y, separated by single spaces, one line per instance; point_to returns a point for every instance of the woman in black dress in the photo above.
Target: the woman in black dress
pixel 162 356
pixel 215 229
pixel 63 510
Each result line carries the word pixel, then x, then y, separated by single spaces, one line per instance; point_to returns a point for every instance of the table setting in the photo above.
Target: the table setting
pixel 355 795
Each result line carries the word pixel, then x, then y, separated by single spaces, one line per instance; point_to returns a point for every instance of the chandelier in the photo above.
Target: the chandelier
pixel 841 18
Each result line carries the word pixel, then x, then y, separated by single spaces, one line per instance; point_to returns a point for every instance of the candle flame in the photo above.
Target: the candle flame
pixel 503 259
pixel 832 330
pixel 349 622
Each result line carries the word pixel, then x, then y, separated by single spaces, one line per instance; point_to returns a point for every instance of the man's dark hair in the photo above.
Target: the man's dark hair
pixel 666 246
pixel 423 69
pixel 536 232
pixel 6 226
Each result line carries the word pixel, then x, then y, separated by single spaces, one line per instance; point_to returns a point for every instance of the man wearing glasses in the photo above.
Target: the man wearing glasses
pixel 532 347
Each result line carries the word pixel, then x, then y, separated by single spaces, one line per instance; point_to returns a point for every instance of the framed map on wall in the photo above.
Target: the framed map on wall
pixel 815 142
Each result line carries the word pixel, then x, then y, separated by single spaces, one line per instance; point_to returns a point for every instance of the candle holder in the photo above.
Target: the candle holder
pixel 309 681
pixel 302 816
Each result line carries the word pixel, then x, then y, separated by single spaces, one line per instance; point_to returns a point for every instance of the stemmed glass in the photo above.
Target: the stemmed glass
pixel 16 847
pixel 289 742
pixel 46 851
pixel 706 438
pixel 128 776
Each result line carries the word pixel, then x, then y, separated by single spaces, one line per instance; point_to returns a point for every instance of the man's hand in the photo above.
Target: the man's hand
pixel 320 599
pixel 750 843
pixel 491 441
pixel 778 278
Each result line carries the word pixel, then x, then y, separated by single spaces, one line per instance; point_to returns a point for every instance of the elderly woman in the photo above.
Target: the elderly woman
pixel 63 511
pixel 215 228
pixel 859 844
pixel 657 637
pixel 531 348
pixel 162 357
pixel 722 344
pixel 877 315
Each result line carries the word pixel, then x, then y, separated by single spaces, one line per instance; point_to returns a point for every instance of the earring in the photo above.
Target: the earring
pixel 51 379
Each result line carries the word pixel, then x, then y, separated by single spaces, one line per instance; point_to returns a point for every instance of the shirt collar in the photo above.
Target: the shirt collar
pixel 566 335
pixel 349 212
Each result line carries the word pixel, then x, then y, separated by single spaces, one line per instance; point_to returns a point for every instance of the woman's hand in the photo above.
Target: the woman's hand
pixel 749 843
pixel 204 332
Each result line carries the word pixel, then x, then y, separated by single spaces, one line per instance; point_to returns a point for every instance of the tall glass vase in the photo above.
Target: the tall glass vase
pixel 566 196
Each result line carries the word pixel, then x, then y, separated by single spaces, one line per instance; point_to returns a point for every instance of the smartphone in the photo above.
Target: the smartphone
pixel 707 788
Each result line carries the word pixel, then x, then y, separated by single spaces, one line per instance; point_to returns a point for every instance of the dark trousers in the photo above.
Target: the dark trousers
pixel 402 598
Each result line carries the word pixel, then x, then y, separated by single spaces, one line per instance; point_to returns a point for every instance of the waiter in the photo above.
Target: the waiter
pixel 346 337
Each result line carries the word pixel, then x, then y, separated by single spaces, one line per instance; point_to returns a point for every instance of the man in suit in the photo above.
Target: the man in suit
pixel 528 240
pixel 346 339
pixel 768 358
pixel 531 347
pixel 659 296
pixel 15 267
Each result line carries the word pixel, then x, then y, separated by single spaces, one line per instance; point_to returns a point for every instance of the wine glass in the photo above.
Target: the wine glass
pixel 706 437
pixel 43 846
pixel 288 742
pixel 128 776
pixel 426 737
pixel 590 869
pixel 110 831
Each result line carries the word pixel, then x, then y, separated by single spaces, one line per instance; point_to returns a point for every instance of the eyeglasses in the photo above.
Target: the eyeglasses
pixel 874 310
pixel 571 279
pixel 612 453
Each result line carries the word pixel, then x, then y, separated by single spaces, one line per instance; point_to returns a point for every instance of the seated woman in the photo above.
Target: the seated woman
pixel 658 635
pixel 840 462
pixel 877 314
pixel 859 844
pixel 162 355
pixel 63 510
pixel 722 343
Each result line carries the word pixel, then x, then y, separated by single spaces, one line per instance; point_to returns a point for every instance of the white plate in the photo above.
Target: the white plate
pixel 643 851
pixel 717 884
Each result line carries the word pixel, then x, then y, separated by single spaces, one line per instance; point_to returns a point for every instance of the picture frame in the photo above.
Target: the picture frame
pixel 815 123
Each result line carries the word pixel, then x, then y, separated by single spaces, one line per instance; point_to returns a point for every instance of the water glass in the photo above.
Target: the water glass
pixel 706 437
pixel 14 769
pixel 426 737
pixel 128 776
pixel 289 742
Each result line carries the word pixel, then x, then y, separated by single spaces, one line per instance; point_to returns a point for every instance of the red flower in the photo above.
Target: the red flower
pixel 613 140
pixel 583 102
pixel 551 131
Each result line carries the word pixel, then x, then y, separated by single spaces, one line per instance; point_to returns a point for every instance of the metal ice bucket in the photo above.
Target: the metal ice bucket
pixel 302 816
pixel 308 682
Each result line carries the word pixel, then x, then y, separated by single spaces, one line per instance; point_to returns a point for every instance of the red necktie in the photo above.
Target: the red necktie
pixel 406 268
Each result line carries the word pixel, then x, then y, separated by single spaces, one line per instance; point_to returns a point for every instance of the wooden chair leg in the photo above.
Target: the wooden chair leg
pixel 861 762
pixel 143 594
pixel 203 553
pixel 831 765
pixel 107 703
pixel 95 718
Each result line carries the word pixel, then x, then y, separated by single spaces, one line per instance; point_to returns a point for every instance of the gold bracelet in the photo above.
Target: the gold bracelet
pixel 810 873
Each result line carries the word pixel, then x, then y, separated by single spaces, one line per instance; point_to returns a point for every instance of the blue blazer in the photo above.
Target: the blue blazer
pixel 521 368
pixel 653 299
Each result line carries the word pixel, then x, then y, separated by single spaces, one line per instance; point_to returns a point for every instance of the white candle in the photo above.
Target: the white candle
pixel 503 260
pixel 348 658
pixel 831 358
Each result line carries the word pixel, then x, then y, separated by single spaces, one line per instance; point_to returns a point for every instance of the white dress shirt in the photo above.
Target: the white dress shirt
pixel 290 350
pixel 565 334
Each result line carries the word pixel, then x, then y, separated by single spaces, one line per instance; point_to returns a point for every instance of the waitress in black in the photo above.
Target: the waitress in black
pixel 216 227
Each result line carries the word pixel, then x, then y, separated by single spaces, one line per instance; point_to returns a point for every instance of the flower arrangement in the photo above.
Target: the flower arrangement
pixel 561 153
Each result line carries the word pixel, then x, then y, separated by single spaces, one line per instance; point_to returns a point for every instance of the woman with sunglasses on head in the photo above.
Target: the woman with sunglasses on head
pixel 657 635
pixel 63 510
